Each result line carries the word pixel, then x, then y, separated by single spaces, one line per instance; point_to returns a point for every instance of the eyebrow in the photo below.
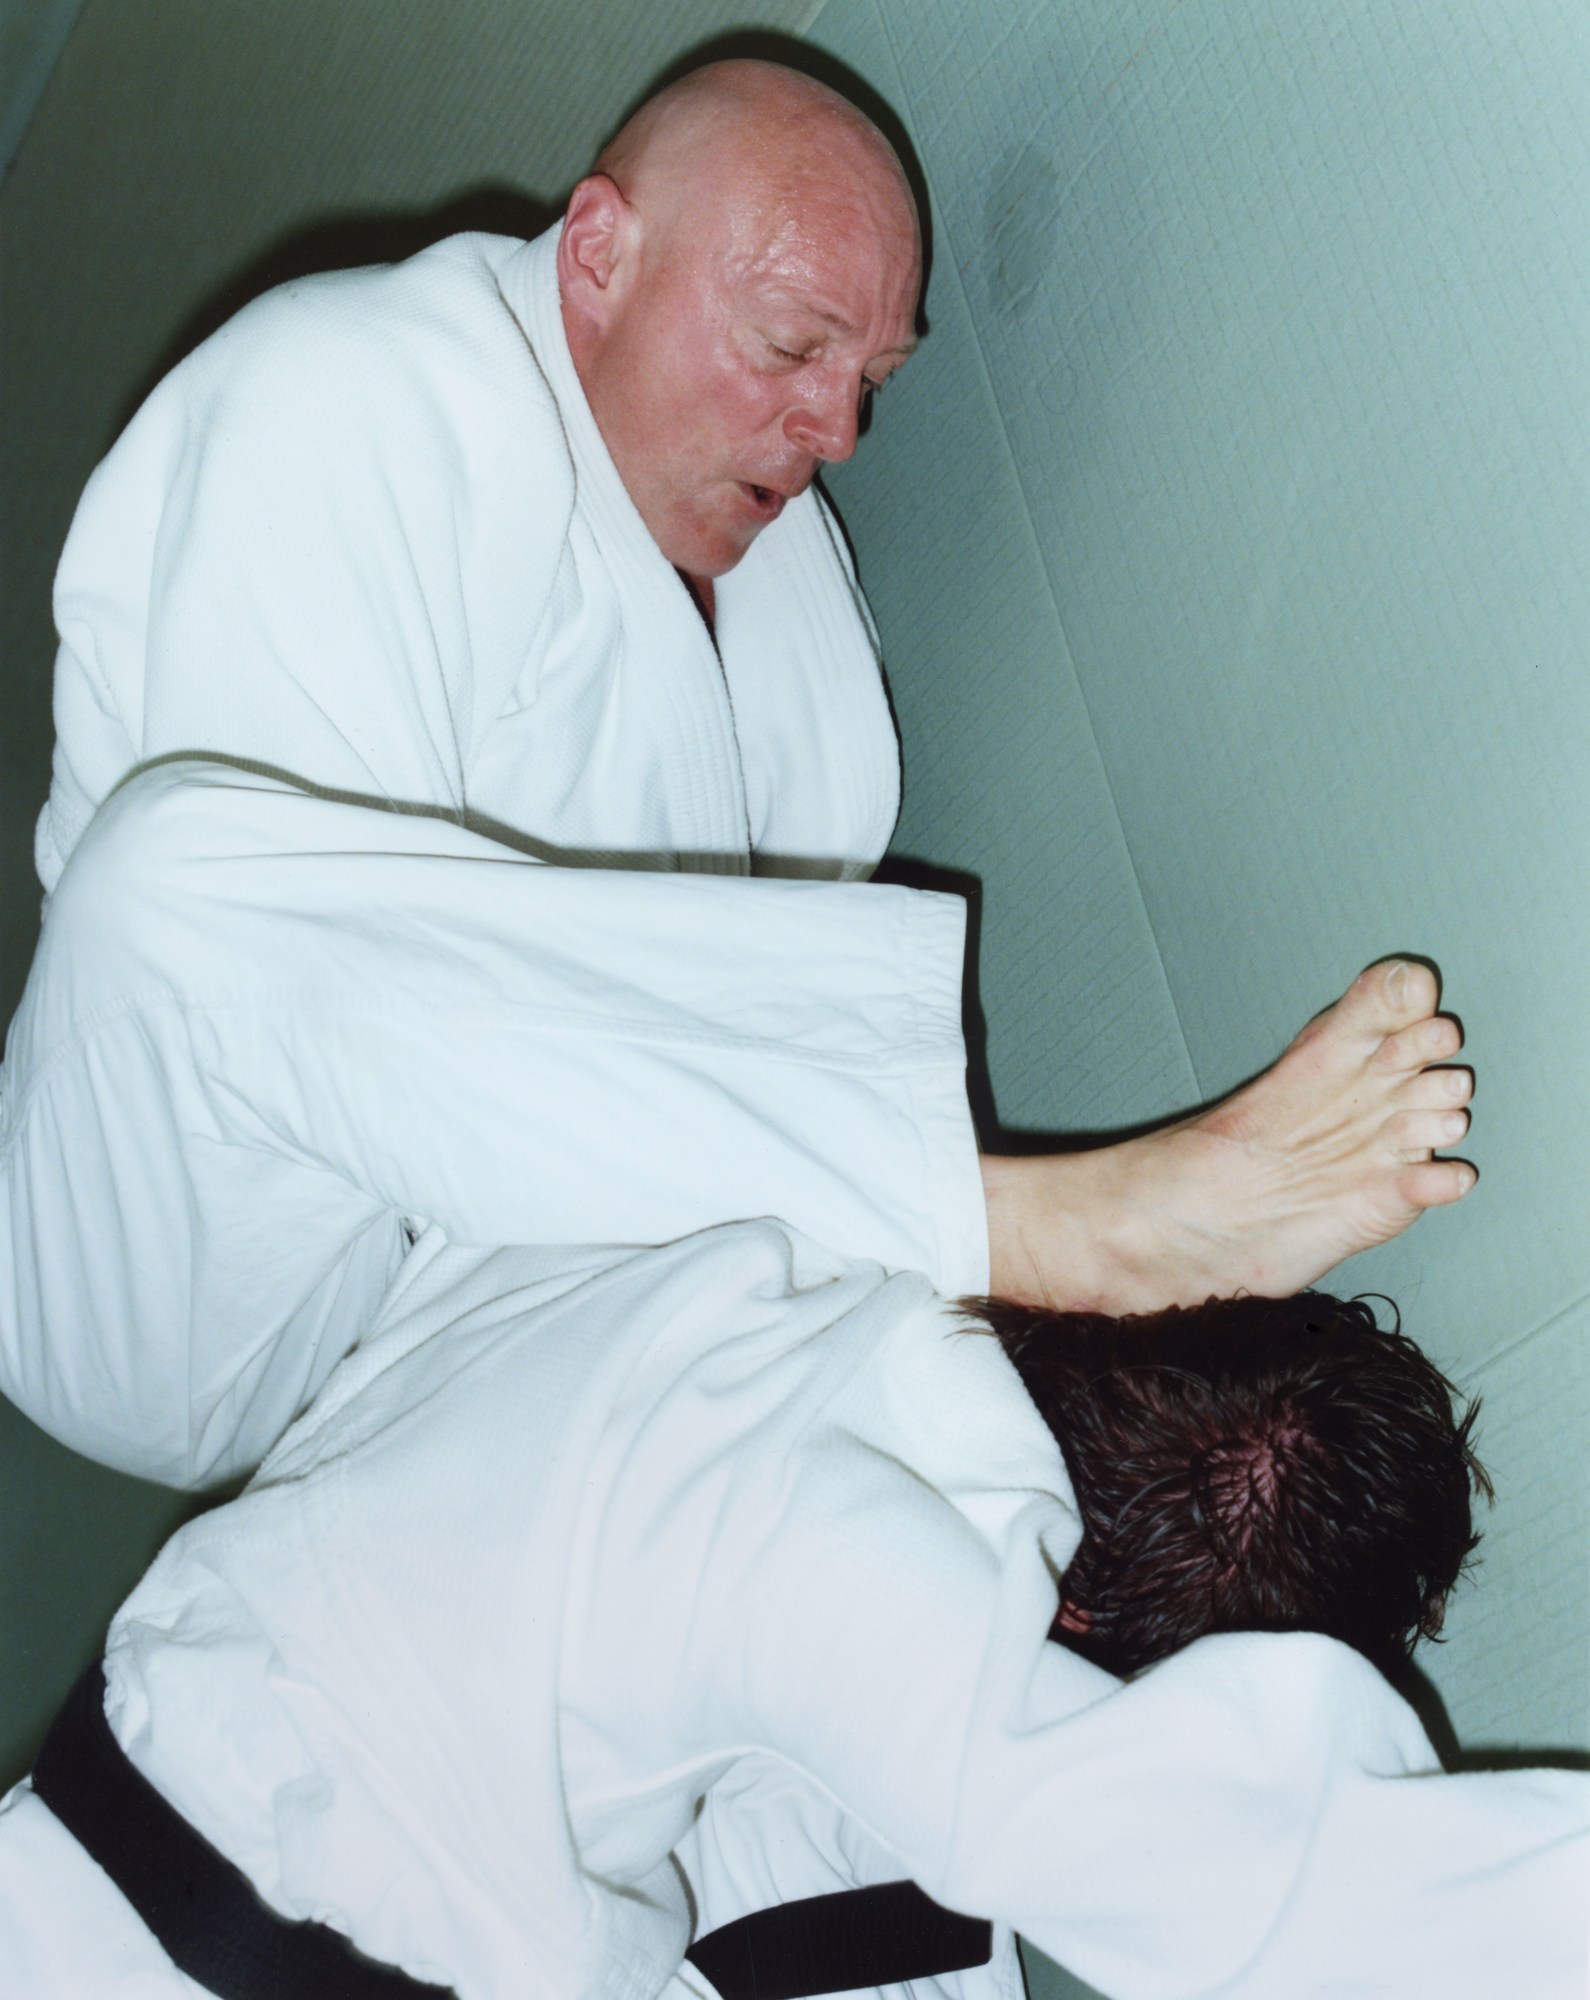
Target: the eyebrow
pixel 843 325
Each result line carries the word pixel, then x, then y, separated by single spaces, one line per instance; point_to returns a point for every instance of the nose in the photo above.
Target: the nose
pixel 826 422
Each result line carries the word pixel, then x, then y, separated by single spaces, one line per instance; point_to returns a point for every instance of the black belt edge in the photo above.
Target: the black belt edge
pixel 882 1935
pixel 213 1925
pixel 202 1909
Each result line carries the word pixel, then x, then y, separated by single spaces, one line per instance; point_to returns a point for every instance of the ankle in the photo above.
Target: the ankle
pixel 1052 1222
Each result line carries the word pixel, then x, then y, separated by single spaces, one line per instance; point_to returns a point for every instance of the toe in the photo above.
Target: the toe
pixel 1434 1040
pixel 1417 1134
pixel 1436 1183
pixel 1394 994
pixel 1436 1089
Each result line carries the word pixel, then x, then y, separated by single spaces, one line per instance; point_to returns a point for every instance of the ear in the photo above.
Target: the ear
pixel 596 250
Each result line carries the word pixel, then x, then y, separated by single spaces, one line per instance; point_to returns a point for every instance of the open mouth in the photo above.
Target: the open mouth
pixel 768 504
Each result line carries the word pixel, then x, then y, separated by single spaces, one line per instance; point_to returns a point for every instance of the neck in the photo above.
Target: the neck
pixel 700 588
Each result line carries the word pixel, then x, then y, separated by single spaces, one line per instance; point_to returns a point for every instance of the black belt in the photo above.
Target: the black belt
pixel 882 1935
pixel 211 1923
pixel 201 1907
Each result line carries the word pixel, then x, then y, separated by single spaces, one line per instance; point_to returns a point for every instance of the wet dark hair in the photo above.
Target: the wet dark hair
pixel 1250 1464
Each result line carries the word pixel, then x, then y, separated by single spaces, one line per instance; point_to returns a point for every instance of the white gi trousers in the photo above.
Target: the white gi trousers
pixel 265 1031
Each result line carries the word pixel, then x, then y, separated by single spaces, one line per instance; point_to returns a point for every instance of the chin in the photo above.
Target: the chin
pixel 712 558
pixel 710 537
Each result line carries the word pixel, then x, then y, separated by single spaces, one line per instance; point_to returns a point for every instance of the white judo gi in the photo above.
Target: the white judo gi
pixel 367 544
pixel 564 1543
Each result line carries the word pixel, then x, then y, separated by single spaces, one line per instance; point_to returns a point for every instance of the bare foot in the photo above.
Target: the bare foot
pixel 1325 1154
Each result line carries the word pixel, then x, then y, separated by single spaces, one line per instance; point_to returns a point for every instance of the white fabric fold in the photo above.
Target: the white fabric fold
pixel 264 1028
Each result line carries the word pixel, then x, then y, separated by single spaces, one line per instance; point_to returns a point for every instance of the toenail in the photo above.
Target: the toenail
pixel 1397 983
pixel 1454 1125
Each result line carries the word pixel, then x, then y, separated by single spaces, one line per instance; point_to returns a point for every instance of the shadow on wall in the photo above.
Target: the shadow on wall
pixel 1423 1697
pixel 345 243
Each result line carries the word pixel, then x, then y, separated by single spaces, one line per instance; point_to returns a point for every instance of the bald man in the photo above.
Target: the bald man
pixel 470 744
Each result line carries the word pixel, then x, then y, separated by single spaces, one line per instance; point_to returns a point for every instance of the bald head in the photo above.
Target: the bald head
pixel 739 273
pixel 733 122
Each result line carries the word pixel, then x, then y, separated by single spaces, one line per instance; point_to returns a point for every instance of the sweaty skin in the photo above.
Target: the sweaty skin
pixel 739 273
pixel 738 276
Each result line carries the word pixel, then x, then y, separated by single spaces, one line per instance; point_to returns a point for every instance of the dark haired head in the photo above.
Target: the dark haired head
pixel 1249 1465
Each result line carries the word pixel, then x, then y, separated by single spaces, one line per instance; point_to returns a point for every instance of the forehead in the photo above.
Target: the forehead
pixel 841 245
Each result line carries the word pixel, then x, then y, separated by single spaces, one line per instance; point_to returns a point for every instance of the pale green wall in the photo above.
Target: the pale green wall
pixel 1227 538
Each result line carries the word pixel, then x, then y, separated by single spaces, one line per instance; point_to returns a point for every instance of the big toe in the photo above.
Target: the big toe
pixel 1389 996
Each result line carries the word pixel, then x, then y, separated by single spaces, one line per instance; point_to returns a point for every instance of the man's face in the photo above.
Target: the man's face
pixel 742 353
